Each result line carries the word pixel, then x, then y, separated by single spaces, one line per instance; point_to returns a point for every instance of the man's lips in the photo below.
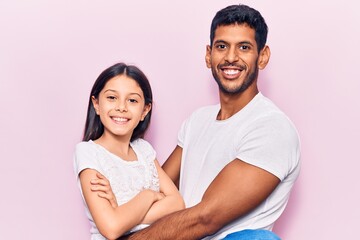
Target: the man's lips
pixel 231 72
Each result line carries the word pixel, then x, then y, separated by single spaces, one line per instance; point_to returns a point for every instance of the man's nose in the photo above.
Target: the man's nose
pixel 232 55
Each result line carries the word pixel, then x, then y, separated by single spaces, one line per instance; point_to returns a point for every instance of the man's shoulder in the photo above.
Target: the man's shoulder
pixel 266 108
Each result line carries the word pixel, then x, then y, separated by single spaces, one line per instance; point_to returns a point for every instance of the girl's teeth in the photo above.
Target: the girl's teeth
pixel 120 119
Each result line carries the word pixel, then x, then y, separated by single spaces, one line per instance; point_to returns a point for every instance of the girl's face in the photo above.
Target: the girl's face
pixel 121 106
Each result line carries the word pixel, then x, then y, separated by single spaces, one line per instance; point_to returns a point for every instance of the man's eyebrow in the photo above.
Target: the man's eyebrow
pixel 246 42
pixel 220 41
pixel 225 42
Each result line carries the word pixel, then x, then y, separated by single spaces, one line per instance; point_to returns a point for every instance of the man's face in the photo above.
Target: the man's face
pixel 233 58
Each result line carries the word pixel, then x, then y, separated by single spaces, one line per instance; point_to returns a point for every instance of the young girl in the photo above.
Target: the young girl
pixel 118 115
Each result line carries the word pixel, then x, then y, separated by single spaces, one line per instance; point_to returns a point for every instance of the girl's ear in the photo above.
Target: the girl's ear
pixel 95 103
pixel 264 57
pixel 146 110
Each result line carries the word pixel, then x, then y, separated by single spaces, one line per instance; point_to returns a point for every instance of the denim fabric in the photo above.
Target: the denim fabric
pixel 249 234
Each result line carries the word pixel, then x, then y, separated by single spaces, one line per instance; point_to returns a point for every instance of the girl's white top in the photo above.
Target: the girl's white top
pixel 127 178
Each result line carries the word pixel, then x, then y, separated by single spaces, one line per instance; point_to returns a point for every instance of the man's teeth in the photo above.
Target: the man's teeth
pixel 231 71
pixel 118 119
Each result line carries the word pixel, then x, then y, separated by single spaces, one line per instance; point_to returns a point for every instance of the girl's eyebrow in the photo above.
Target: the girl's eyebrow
pixel 111 90
pixel 114 91
pixel 135 93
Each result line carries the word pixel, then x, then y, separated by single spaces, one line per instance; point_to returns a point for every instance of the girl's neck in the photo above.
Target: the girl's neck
pixel 118 146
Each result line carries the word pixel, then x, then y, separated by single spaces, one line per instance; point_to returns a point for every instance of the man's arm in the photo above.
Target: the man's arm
pixel 237 189
pixel 172 165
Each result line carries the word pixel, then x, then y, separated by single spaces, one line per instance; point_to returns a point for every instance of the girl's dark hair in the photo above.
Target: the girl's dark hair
pixel 241 14
pixel 93 126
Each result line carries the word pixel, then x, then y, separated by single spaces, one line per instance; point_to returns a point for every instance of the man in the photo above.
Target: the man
pixel 235 162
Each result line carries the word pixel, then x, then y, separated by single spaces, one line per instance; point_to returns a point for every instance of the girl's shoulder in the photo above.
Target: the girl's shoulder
pixel 85 146
pixel 143 146
pixel 86 156
pixel 140 142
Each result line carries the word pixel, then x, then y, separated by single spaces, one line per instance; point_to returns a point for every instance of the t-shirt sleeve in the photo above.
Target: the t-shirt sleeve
pixel 85 157
pixel 272 144
pixel 182 133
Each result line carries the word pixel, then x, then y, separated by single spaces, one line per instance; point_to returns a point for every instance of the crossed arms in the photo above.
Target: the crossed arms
pixel 146 207
pixel 237 189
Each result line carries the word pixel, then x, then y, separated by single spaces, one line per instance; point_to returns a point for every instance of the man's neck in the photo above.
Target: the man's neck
pixel 231 104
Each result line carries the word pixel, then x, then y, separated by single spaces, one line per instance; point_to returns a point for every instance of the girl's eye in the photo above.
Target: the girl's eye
pixel 111 97
pixel 133 100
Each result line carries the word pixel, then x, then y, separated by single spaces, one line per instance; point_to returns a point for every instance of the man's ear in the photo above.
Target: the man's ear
pixel 146 110
pixel 95 103
pixel 264 57
pixel 208 56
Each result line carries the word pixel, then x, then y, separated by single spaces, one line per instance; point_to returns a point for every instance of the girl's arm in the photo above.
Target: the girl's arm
pixel 114 222
pixel 170 203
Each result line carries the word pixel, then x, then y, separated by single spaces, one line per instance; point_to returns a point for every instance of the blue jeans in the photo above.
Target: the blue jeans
pixel 249 234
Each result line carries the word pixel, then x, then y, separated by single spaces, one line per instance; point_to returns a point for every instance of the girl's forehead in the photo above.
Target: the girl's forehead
pixel 122 83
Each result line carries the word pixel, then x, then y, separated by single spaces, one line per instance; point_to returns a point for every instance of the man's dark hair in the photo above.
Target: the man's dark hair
pixel 241 14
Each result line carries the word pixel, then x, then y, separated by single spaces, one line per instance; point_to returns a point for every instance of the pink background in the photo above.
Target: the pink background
pixel 52 51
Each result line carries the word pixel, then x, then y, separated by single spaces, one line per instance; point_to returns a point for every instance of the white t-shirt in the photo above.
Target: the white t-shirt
pixel 127 178
pixel 259 134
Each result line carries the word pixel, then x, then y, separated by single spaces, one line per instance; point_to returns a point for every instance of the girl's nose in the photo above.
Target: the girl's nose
pixel 121 107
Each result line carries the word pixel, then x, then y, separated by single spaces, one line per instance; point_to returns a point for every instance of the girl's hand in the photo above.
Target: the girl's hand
pixel 156 196
pixel 102 186
pixel 159 196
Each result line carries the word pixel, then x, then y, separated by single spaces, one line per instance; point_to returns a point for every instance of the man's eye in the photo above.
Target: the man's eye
pixel 221 46
pixel 244 47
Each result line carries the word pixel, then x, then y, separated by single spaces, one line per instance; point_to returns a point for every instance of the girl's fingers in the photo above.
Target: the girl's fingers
pixel 100 182
pixel 99 175
pixel 101 188
pixel 108 197
pixel 101 185
pixel 104 195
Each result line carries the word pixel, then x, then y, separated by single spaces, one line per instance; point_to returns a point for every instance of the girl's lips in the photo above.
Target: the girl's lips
pixel 120 119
